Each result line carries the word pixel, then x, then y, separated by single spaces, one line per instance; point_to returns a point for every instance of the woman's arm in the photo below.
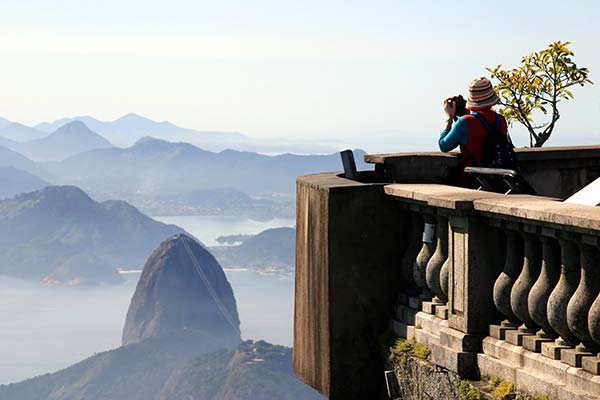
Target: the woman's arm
pixel 454 135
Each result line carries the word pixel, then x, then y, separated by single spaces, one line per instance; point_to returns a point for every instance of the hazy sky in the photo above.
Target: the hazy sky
pixel 370 73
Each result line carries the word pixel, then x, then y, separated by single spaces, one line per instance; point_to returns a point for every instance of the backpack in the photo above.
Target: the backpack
pixel 498 151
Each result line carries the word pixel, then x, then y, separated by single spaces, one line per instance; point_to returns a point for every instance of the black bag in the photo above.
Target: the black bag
pixel 498 151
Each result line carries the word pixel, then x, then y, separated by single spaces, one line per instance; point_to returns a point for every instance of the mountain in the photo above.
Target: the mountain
pixel 217 201
pixel 128 129
pixel 11 158
pixel 181 342
pixel 9 144
pixel 14 181
pixel 254 371
pixel 21 133
pixel 184 366
pixel 70 139
pixel 54 233
pixel 4 122
pixel 157 167
pixel 182 287
pixel 273 250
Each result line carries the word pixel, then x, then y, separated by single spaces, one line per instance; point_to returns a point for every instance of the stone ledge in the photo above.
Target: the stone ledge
pixel 531 381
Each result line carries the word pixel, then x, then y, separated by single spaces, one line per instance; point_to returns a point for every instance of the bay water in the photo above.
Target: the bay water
pixel 46 328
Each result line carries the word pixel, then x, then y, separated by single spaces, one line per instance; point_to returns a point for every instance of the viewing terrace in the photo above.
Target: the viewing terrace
pixel 493 284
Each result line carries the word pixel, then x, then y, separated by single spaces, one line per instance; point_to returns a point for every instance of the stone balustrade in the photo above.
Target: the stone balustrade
pixel 503 285
pixel 520 271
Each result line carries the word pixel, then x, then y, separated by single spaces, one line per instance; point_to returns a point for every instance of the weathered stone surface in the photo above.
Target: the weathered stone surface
pixel 534 343
pixel 415 303
pixel 473 270
pixel 552 171
pixel 507 278
pixel 403 330
pixel 420 265
pixel 410 254
pixel 543 210
pixel 415 167
pixel 348 234
pixel 583 298
pixel 429 307
pixel 553 349
pixel 560 296
pixel 515 337
pixel 434 266
pixel 573 357
pixel 172 295
pixel 541 290
pixel 499 331
pixel 441 312
pixel 592 365
pixel 529 273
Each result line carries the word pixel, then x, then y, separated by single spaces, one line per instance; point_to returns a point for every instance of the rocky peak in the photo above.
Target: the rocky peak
pixel 182 287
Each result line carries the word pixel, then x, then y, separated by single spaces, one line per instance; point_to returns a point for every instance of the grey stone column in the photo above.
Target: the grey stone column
pixel 532 264
pixel 410 255
pixel 504 284
pixel 593 364
pixel 420 265
pixel 559 299
pixel 583 298
pixel 434 266
pixel 541 290
pixel 444 276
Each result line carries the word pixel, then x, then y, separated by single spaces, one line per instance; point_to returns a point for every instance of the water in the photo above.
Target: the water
pixel 47 328
pixel 208 228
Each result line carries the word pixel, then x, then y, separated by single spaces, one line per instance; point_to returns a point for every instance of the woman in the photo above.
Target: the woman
pixel 470 131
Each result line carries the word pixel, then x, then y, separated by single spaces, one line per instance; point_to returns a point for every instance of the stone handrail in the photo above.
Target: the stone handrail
pixel 523 269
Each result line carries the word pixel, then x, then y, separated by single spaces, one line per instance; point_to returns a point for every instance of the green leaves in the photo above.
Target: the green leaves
pixel 539 84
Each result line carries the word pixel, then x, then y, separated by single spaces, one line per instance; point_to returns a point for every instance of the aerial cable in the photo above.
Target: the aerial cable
pixel 210 289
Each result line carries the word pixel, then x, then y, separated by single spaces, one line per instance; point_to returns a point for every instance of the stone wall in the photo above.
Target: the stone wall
pixel 552 171
pixel 346 283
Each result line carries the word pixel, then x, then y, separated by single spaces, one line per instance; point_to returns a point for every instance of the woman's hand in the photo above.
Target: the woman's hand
pixel 449 108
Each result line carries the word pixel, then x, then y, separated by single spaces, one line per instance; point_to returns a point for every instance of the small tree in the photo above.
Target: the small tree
pixel 542 81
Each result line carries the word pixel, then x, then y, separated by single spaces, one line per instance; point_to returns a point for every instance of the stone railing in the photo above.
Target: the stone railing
pixel 552 171
pixel 508 286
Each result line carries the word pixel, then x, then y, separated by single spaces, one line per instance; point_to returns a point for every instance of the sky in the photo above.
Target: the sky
pixel 369 74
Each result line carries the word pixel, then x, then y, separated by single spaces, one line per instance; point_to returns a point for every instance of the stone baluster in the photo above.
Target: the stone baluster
pixel 593 364
pixel 559 299
pixel 532 263
pixel 579 307
pixel 410 254
pixel 433 271
pixel 444 275
pixel 434 266
pixel 427 250
pixel 540 292
pixel 505 281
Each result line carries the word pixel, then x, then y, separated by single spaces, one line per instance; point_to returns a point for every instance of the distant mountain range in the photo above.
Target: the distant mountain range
pixel 60 235
pixel 14 181
pixel 10 158
pixel 20 133
pixel 159 176
pixel 271 251
pixel 157 167
pixel 69 139
pixel 128 129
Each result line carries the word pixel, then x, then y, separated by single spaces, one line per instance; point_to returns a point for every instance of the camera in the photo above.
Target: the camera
pixel 461 108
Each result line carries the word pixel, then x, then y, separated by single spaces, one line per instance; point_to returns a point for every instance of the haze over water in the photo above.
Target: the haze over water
pixel 47 328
